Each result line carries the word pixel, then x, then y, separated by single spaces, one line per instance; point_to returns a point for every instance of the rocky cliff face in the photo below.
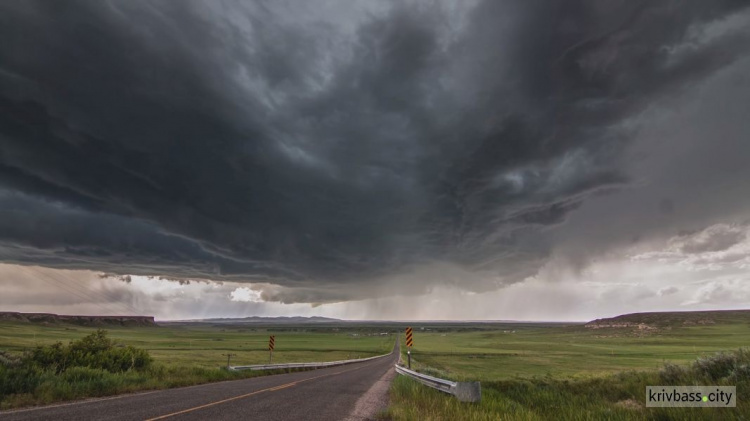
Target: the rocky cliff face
pixel 668 320
pixel 608 325
pixel 96 321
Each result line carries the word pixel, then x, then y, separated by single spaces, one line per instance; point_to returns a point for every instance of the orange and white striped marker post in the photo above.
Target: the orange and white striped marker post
pixel 409 343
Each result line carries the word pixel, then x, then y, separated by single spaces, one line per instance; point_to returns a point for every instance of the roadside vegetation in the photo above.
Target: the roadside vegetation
pixel 92 366
pixel 528 371
pixel 618 396
pixel 526 351
pixel 531 372
pixel 202 345
pixel 98 365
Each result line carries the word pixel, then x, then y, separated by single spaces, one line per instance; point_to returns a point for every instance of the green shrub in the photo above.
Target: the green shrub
pixel 93 351
pixel 740 373
pixel 9 360
pixel 716 367
pixel 91 366
pixel 673 374
pixel 82 374
pixel 19 379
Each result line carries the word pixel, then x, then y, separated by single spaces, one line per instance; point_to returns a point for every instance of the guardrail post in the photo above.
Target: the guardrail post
pixel 229 357
pixel 468 391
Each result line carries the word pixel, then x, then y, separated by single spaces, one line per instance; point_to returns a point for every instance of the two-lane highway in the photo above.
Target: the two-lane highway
pixel 355 391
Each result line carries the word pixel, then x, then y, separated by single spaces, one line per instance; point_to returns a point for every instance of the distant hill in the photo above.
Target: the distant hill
pixel 93 321
pixel 294 320
pixel 657 320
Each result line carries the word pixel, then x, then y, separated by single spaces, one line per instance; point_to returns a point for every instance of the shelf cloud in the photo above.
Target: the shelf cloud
pixel 331 150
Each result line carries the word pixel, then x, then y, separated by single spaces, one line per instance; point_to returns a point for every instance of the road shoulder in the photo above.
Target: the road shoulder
pixel 374 400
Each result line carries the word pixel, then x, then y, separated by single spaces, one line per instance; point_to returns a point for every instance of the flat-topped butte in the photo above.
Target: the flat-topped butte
pixel 94 321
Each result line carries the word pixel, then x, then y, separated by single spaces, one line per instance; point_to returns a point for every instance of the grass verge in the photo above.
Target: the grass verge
pixel 82 382
pixel 97 366
pixel 618 396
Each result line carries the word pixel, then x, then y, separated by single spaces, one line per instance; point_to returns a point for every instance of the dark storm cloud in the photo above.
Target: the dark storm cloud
pixel 314 148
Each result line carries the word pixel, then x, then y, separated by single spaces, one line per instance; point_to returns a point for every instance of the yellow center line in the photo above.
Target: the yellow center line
pixel 270 389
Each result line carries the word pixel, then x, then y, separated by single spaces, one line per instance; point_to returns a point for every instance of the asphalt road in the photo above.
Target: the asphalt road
pixel 350 392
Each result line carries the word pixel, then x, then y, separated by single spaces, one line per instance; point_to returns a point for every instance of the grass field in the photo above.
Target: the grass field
pixel 567 351
pixel 203 346
pixel 183 355
pixel 528 371
pixel 531 372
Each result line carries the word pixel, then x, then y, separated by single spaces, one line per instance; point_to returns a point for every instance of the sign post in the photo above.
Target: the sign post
pixel 271 343
pixel 409 343
pixel 229 357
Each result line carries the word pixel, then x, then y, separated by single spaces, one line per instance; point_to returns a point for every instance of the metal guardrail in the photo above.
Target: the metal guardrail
pixel 463 391
pixel 303 365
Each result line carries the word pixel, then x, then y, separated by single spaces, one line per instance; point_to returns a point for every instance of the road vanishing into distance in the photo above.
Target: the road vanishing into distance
pixel 351 392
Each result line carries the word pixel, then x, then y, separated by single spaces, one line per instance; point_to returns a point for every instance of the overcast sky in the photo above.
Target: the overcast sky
pixel 530 160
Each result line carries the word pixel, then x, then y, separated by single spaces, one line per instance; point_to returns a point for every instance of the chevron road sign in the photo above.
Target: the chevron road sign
pixel 271 345
pixel 409 343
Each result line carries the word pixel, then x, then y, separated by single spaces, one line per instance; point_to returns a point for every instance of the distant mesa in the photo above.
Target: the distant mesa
pixel 666 320
pixel 263 320
pixel 92 321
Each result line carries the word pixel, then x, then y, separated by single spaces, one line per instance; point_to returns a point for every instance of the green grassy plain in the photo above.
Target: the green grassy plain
pixel 184 355
pixel 529 371
pixel 536 372
pixel 202 346
pixel 568 351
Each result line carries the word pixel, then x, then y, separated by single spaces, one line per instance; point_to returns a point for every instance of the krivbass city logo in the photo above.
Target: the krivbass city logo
pixel 695 396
